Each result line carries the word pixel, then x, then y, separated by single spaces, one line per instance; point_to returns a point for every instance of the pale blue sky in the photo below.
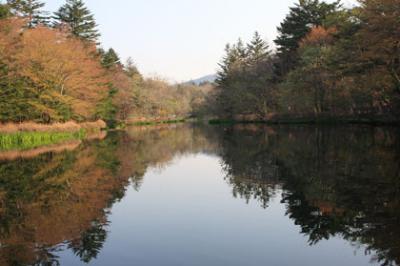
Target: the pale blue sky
pixel 181 39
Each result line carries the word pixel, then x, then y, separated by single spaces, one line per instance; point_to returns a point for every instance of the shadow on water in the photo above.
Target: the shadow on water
pixel 334 181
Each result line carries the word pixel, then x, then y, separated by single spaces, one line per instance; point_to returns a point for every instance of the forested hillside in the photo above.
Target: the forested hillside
pixel 330 62
pixel 53 69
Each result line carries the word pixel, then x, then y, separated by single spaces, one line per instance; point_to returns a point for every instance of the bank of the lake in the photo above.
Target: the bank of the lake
pixel 151 123
pixel 30 135
pixel 312 120
pixel 155 120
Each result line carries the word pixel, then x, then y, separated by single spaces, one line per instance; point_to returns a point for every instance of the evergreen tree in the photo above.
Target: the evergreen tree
pixel 236 55
pixel 258 50
pixel 29 9
pixel 301 19
pixel 131 70
pixel 80 20
pixel 110 59
pixel 106 108
pixel 224 66
pixel 239 52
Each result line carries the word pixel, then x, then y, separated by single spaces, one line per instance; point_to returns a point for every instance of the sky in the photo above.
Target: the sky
pixel 180 40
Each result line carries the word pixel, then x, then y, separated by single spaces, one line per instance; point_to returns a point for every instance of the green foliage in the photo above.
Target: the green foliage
pixel 31 10
pixel 14 104
pixel 91 242
pixel 30 140
pixel 331 63
pixel 20 102
pixel 110 59
pixel 131 69
pixel 307 88
pixel 5 11
pixel 297 24
pixel 79 19
pixel 106 109
pixel 245 78
pixel 257 50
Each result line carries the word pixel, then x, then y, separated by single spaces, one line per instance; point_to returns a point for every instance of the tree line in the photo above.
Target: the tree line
pixel 330 61
pixel 53 69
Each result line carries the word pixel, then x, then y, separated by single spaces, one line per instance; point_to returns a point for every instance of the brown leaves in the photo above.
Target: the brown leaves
pixel 10 40
pixel 55 62
pixel 53 65
pixel 318 36
pixel 380 35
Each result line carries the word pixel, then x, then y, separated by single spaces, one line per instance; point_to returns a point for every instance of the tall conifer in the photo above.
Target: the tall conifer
pixel 29 9
pixel 79 19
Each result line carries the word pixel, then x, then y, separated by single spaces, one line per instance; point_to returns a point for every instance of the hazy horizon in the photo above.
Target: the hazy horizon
pixel 181 40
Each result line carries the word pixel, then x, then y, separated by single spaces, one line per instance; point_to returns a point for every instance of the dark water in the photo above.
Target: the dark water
pixel 192 195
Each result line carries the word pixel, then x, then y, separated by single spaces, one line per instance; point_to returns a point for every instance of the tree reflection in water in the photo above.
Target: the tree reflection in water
pixel 334 181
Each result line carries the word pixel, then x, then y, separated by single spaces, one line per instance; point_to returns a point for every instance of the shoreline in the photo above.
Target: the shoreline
pixel 30 135
pixel 311 121
pixel 153 122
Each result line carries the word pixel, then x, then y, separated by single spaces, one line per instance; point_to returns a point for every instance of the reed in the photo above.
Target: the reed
pixel 70 126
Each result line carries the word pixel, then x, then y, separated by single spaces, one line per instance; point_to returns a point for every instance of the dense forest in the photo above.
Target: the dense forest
pixel 53 69
pixel 330 62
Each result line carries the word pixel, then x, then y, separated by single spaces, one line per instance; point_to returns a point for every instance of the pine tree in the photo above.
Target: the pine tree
pixel 301 19
pixel 258 50
pixel 239 52
pixel 80 20
pixel 110 59
pixel 130 69
pixel 236 55
pixel 106 108
pixel 29 9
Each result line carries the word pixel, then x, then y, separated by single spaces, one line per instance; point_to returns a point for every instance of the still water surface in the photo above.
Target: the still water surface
pixel 200 195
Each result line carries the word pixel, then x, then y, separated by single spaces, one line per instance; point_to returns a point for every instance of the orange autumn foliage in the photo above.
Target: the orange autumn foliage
pixel 318 36
pixel 63 66
pixel 10 40
pixel 125 86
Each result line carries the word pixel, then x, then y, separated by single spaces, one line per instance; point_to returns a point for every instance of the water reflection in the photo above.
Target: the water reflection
pixel 334 181
pixel 56 198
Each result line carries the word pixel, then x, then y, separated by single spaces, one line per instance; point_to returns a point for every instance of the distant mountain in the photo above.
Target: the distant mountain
pixel 208 78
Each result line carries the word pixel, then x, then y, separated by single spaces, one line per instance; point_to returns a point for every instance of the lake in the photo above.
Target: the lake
pixel 206 195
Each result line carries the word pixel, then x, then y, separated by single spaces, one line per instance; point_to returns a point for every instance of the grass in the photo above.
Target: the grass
pixel 31 135
pixel 33 139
